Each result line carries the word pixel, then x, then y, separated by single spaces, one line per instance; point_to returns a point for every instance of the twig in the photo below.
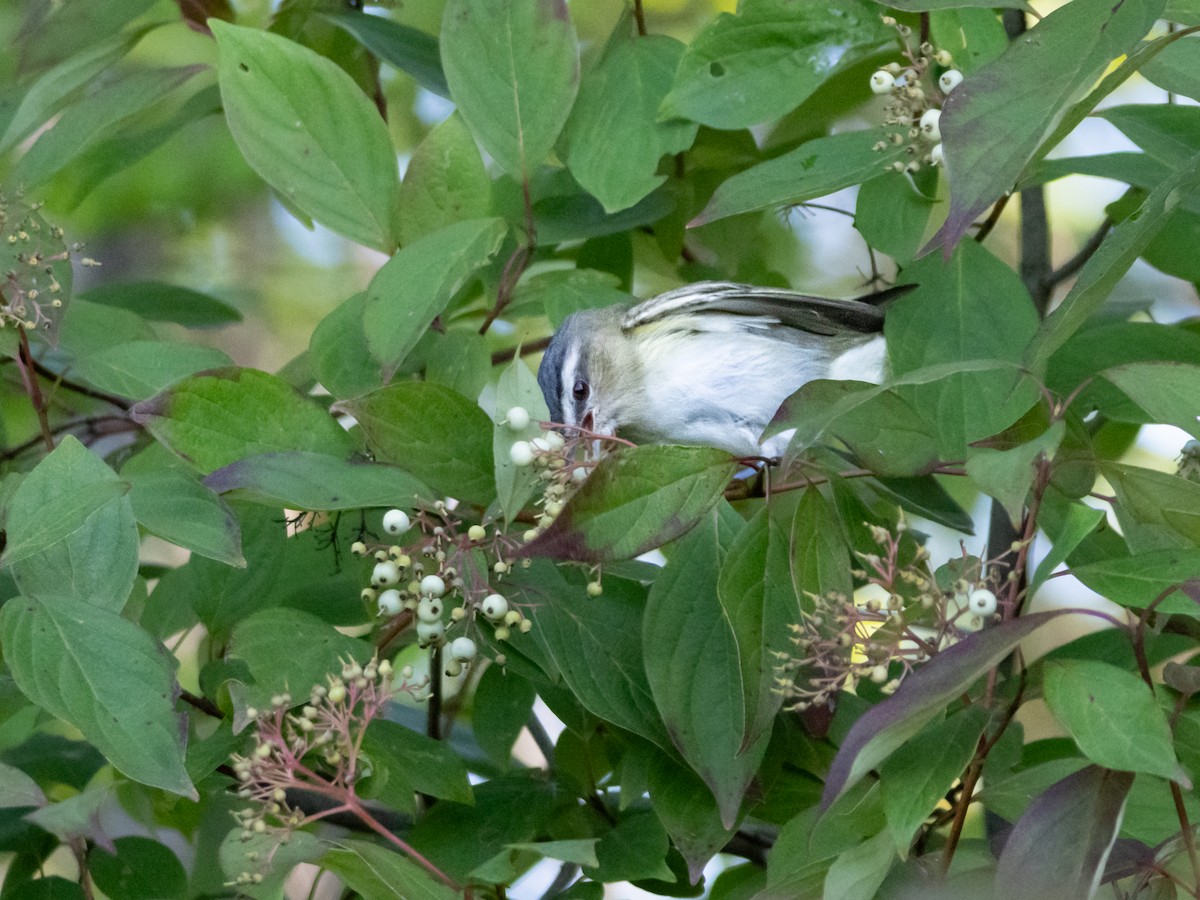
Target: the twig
pixel 567 873
pixel 203 704
pixel 1189 839
pixel 993 217
pixel 89 423
pixel 513 269
pixel 80 850
pixel 639 16
pixel 541 738
pixel 433 718
pixel 510 353
pixel 964 802
pixel 32 389
pixel 1085 252
pixel 75 387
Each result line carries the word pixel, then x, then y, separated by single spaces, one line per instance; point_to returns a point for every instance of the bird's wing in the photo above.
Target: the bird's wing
pixel 762 306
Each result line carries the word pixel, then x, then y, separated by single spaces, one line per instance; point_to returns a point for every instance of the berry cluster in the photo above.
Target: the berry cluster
pixel 441 574
pixel 912 109
pixel 34 258
pixel 908 616
pixel 316 750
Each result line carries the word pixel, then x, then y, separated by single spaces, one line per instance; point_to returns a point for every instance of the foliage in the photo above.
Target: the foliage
pixel 799 684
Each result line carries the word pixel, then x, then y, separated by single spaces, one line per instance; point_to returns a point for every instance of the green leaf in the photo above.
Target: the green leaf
pixel 55 500
pixel 1112 715
pixel 687 810
pixel 915 778
pixel 172 504
pixel 561 292
pixel 304 126
pixel 140 369
pixel 18 789
pixel 1135 581
pixel 338 351
pixel 1061 845
pixel 234 853
pixel 702 706
pixel 513 70
pixel 445 181
pixel 891 214
pixel 757 598
pixel 814 169
pixel 595 644
pixel 1176 68
pixel 381 874
pixel 1167 391
pixel 1007 475
pixel 408 49
pixel 923 695
pixel 414 286
pixel 1157 511
pixel 632 850
pixel 316 481
pixel 617 107
pixel 517 387
pixel 54 87
pixel 161 302
pixel 71 530
pixel 409 763
pixel 886 434
pixel 925 497
pixel 636 499
pixel 1079 522
pixel 994 122
pixel 267 642
pixel 105 676
pixel 220 417
pixel 926 5
pixel 858 872
pixel 746 69
pixel 439 436
pixel 141 869
pixel 83 124
pixel 582 852
pixel 970 307
pixel 77 816
pixel 1167 132
pixel 503 704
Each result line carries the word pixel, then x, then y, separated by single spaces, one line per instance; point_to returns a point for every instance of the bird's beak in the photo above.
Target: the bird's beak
pixel 588 422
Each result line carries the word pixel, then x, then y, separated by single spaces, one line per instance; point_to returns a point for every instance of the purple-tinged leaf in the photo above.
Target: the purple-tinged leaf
pixel 1059 847
pixel 637 499
pixel 994 122
pixel 923 695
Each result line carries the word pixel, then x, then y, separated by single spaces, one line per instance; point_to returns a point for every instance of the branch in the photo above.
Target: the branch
pixel 32 389
pixel 509 354
pixel 1075 263
pixel 993 217
pixel 76 388
pixel 203 704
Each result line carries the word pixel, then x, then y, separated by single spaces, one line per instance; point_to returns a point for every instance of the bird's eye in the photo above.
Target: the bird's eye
pixel 581 390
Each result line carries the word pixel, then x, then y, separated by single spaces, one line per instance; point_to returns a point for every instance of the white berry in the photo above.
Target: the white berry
pixel 494 606
pixel 595 589
pixel 396 521
pixel 385 574
pixel 542 444
pixel 950 79
pixel 429 609
pixel 982 602
pixel 390 602
pixel 879 674
pixel 555 440
pixel 433 586
pixel 937 156
pixel 521 453
pixel 929 125
pixel 462 649
pixel 943 58
pixel 579 474
pixel 476 533
pixel 882 82
pixel 517 418
pixel 429 632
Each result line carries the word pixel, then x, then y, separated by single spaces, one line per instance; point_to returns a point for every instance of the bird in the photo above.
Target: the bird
pixel 708 363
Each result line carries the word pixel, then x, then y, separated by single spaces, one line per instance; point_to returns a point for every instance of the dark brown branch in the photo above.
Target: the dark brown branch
pixel 76 388
pixel 639 16
pixel 89 424
pixel 1076 262
pixel 32 389
pixel 203 704
pixel 510 353
pixel 989 223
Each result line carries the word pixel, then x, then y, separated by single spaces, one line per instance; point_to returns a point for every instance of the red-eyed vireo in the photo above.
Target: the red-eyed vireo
pixel 708 363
